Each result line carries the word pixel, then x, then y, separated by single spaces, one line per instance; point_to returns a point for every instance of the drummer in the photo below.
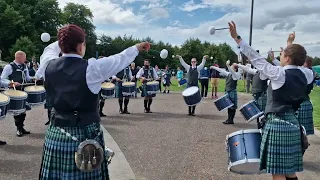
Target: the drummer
pixel 146 74
pixel 231 87
pixel 281 147
pixel 124 75
pixel 18 72
pixel 193 75
pixel 101 99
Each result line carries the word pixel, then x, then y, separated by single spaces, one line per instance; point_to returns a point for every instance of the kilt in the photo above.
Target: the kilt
pixel 305 116
pixel 261 100
pixel 144 91
pixel 58 159
pixel 233 96
pixel 281 149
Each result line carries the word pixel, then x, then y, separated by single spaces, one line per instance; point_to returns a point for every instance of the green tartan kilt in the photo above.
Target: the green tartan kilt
pixel 144 91
pixel 281 149
pixel 58 159
pixel 305 116
pixel 233 96
pixel 261 100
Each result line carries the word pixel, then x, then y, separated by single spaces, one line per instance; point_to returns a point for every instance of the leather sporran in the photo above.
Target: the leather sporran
pixel 89 156
pixel 304 139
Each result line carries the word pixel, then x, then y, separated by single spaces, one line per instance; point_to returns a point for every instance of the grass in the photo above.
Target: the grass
pixel 315 96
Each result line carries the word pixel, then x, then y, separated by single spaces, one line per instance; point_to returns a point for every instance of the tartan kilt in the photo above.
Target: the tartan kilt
pixel 58 159
pixel 233 96
pixel 144 91
pixel 261 100
pixel 305 116
pixel 281 149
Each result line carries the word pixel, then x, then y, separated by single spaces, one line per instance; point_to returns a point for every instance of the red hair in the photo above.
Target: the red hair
pixel 69 37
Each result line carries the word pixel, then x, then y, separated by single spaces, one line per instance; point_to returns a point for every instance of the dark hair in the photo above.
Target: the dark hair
pixel 69 37
pixel 147 60
pixel 296 53
pixel 309 61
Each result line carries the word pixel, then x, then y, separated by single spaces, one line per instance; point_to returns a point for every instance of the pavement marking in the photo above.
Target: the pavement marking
pixel 119 167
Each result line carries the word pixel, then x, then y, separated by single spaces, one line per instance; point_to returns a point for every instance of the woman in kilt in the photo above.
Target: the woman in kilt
pixel 281 147
pixel 231 88
pixel 73 85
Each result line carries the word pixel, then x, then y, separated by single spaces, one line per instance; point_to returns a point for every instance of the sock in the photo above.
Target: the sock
pixel 101 105
pixel 145 103
pixel 149 103
pixel 193 109
pixel 120 103
pixel 189 109
pixel 126 102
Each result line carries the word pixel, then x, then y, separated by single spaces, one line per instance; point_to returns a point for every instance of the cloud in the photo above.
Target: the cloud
pixel 159 13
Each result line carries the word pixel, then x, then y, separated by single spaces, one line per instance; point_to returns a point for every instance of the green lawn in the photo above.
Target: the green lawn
pixel 315 96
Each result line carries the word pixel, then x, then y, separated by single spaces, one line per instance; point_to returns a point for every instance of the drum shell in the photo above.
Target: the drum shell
pixel 107 93
pixel 223 103
pixel 250 111
pixel 244 151
pixel 17 105
pixel 4 106
pixel 36 98
pixel 128 90
pixel 193 99
pixel 152 88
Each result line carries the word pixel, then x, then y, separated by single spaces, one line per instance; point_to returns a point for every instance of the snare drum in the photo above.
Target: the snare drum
pixel 244 151
pixel 4 104
pixel 152 87
pixel 223 103
pixel 36 95
pixel 250 111
pixel 107 90
pixel 191 96
pixel 128 88
pixel 18 100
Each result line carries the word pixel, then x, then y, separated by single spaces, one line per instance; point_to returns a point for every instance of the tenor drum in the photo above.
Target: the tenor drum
pixel 191 96
pixel 223 103
pixel 152 87
pixel 18 100
pixel 4 104
pixel 128 88
pixel 36 95
pixel 250 111
pixel 107 90
pixel 244 151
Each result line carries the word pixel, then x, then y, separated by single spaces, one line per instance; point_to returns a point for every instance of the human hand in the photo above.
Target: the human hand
pixel 228 63
pixel 143 46
pixel 291 37
pixel 233 30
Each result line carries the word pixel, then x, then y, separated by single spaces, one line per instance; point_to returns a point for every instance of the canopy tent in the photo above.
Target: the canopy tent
pixel 316 68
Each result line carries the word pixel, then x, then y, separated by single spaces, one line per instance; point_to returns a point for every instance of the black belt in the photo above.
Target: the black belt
pixel 73 118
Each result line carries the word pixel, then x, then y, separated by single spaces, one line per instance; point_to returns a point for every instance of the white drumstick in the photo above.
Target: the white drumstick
pixel 14 87
pixel 212 30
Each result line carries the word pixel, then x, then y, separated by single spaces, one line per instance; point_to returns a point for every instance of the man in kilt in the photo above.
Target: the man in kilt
pixel 147 74
pixel 193 72
pixel 123 75
pixel 73 85
pixel 281 146
pixel 232 78
pixel 17 71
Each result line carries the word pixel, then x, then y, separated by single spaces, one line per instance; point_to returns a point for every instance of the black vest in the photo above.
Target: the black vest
pixel 17 72
pixel 68 91
pixel 258 85
pixel 290 95
pixel 193 76
pixel 123 74
pixel 147 73
pixel 230 83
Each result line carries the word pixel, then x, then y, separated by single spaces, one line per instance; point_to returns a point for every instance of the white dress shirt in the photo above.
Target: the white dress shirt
pixel 128 76
pixel 250 70
pixel 187 66
pixel 97 71
pixel 141 72
pixel 235 75
pixel 276 74
pixel 7 71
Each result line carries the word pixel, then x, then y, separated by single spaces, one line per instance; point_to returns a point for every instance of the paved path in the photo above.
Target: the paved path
pixel 166 144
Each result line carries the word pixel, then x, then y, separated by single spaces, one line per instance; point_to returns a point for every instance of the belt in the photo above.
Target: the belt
pixel 73 118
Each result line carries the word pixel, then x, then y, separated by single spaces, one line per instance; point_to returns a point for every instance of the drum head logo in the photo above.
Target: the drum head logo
pixel 236 144
pixel 249 108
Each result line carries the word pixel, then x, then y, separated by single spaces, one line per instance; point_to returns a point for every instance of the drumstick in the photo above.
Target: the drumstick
pixel 14 87
pixel 35 82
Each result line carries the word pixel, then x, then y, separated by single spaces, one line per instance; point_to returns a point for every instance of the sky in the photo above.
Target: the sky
pixel 174 21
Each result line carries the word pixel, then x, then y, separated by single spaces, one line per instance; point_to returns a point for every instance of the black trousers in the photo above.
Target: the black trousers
pixel 19 120
pixel 204 87
pixel 159 84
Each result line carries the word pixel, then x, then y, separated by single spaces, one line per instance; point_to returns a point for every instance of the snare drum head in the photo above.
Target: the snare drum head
pixel 107 85
pixel 128 84
pixel 34 88
pixel 190 91
pixel 3 98
pixel 15 93
pixel 153 83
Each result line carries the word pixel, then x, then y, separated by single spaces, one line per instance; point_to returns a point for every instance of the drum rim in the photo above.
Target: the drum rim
pixel 252 101
pixel 7 101
pixel 152 83
pixel 113 86
pixel 41 91
pixel 244 161
pixel 189 89
pixel 254 117
pixel 16 97
pixel 220 97
pixel 244 131
pixel 226 107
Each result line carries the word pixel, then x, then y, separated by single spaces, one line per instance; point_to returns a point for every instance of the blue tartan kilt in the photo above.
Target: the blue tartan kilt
pixel 58 159
pixel 144 92
pixel 261 100
pixel 305 116
pixel 281 149
pixel 233 96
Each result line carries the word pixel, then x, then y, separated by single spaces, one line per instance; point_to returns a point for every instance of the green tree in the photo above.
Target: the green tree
pixel 24 44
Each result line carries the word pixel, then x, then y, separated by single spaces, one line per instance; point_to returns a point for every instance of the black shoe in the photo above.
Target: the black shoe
pixel 149 110
pixel 168 92
pixel 3 143
pixel 25 131
pixel 228 122
pixel 28 107
pixel 47 123
pixel 126 111
pixel 102 115
pixel 146 110
pixel 164 92
pixel 121 111
pixel 19 133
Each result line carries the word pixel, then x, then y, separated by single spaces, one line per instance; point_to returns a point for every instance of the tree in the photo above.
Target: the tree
pixel 24 44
